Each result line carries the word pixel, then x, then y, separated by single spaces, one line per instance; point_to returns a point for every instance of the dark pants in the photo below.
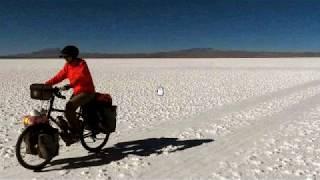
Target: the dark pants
pixel 74 103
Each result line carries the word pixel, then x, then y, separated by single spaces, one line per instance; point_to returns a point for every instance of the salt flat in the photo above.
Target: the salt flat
pixel 218 119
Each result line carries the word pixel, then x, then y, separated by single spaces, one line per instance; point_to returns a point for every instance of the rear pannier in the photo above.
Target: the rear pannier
pixel 108 117
pixel 102 114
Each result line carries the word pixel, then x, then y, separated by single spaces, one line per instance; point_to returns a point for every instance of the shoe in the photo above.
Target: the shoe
pixel 70 138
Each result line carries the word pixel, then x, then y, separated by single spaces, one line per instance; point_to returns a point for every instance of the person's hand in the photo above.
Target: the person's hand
pixel 65 87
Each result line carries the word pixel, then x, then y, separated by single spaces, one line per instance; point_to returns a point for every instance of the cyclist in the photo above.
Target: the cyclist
pixel 78 74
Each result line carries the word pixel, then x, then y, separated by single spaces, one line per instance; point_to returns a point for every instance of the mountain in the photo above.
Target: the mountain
pixel 48 52
pixel 185 53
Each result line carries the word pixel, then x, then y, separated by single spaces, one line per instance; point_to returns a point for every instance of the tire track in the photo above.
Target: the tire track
pixel 224 148
pixel 215 113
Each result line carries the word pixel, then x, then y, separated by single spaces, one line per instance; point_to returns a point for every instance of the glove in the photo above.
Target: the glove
pixel 66 87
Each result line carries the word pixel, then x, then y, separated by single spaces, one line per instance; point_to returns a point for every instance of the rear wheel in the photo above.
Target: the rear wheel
pixel 93 140
pixel 28 155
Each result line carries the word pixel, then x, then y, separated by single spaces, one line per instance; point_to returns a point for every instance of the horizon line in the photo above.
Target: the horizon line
pixel 168 51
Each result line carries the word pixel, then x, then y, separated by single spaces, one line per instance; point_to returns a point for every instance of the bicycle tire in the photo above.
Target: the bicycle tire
pixel 87 147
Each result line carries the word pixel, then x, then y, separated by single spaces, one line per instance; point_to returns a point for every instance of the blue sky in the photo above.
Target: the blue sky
pixel 121 26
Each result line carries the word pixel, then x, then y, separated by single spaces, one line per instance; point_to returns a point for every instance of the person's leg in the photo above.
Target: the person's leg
pixel 71 108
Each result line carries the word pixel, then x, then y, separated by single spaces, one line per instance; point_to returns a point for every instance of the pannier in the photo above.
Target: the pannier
pixel 31 141
pixel 107 117
pixel 102 114
pixel 104 99
pixel 43 141
pixel 106 112
pixel 48 142
pixel 41 91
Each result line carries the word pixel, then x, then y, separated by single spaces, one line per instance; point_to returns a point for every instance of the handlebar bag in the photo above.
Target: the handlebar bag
pixel 41 91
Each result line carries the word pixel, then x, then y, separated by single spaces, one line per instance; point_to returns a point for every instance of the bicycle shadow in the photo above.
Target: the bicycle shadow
pixel 144 147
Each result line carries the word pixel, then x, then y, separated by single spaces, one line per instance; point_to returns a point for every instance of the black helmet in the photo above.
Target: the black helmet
pixel 70 50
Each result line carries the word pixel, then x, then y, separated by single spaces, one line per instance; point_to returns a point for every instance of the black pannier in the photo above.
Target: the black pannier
pixel 106 112
pixel 43 140
pixel 48 143
pixel 41 91
pixel 107 116
pixel 101 113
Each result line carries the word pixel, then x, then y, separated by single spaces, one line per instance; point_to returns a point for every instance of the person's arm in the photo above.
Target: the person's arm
pixel 60 76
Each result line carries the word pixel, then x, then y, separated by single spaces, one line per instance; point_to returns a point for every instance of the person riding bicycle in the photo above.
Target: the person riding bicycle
pixel 79 76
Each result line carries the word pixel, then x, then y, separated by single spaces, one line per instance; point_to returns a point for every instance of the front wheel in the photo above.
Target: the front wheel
pixel 27 152
pixel 93 140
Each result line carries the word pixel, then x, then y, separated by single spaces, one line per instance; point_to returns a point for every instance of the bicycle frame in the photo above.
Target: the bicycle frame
pixel 52 109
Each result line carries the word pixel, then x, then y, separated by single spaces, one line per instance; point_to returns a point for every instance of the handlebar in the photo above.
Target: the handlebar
pixel 57 92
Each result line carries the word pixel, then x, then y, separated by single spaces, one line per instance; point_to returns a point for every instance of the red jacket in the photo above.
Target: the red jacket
pixel 79 76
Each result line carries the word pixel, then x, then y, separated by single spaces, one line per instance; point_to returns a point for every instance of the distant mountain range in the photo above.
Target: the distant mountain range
pixel 185 53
